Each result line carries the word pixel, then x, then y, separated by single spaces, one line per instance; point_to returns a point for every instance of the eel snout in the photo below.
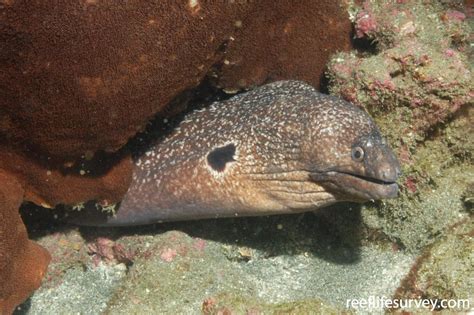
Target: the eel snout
pixel 353 187
pixel 371 177
pixel 368 170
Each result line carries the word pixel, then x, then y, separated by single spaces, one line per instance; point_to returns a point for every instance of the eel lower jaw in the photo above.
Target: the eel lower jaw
pixel 352 187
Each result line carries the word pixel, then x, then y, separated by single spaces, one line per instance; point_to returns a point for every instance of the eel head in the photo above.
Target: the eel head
pixel 359 164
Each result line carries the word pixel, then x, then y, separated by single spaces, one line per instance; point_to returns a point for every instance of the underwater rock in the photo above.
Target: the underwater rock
pixel 413 75
pixel 80 291
pixel 265 265
pixel 444 270
pixel 418 74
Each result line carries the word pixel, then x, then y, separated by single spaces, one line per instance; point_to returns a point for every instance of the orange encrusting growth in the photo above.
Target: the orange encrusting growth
pixel 23 263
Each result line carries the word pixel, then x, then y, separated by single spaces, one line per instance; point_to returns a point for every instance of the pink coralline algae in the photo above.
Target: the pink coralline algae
pixel 455 15
pixel 365 24
pixel 199 244
pixel 449 52
pixel 168 254
pixel 418 75
pixel 106 250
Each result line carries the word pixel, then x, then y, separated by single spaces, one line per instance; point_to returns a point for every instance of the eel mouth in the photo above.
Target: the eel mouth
pixel 354 187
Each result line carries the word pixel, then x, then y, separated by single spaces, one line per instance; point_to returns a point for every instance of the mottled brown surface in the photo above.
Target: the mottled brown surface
pixel 87 75
pixel 103 178
pixel 23 263
pixel 82 76
pixel 285 40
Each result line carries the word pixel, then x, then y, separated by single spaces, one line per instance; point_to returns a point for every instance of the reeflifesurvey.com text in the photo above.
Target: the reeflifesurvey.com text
pixel 382 302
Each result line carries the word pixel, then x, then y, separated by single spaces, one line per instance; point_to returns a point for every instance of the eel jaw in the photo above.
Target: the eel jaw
pixel 353 187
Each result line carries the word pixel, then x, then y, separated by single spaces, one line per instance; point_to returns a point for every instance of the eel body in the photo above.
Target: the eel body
pixel 280 148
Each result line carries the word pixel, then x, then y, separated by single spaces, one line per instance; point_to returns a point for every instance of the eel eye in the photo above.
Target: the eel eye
pixel 357 154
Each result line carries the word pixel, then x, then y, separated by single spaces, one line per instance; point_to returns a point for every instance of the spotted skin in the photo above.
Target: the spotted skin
pixel 280 148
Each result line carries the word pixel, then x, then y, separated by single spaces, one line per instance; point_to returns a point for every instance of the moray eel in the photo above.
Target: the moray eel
pixel 280 148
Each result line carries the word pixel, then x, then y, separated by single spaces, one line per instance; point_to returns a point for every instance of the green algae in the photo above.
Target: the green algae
pixel 417 222
pixel 444 270
pixel 441 172
pixel 449 273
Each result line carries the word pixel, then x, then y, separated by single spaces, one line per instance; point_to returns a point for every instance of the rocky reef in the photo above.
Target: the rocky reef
pixel 413 73
pixel 416 81
pixel 410 68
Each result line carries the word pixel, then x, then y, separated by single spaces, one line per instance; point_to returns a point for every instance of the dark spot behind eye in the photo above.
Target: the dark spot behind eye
pixel 219 157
